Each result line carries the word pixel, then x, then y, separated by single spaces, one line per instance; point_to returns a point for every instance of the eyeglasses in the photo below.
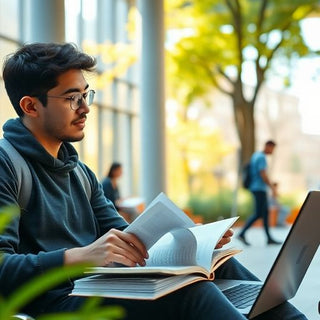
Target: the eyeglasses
pixel 77 99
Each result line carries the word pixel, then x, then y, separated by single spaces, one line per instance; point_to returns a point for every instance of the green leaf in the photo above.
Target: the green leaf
pixel 7 214
pixel 38 286
pixel 95 312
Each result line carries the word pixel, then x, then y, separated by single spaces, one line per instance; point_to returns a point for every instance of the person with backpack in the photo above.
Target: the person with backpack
pixel 258 184
pixel 61 224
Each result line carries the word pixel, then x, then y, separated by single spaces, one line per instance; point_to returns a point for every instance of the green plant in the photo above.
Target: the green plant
pixel 10 306
pixel 91 310
pixel 220 205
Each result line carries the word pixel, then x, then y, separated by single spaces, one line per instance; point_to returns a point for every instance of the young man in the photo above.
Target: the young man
pixel 259 184
pixel 60 225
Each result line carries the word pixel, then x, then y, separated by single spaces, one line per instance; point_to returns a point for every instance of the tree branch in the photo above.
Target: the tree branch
pixel 261 17
pixel 237 18
pixel 213 79
pixel 229 4
pixel 225 76
pixel 260 72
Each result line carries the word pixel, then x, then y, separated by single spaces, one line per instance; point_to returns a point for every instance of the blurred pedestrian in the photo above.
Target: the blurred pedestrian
pixel 281 210
pixel 259 184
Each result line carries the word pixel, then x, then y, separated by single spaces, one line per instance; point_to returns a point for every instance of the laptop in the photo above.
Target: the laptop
pixel 287 271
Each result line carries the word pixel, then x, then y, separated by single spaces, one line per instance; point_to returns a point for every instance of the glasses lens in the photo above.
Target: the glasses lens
pixel 89 98
pixel 76 101
pixel 78 98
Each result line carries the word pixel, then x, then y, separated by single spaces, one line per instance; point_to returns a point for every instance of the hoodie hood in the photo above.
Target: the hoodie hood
pixel 29 147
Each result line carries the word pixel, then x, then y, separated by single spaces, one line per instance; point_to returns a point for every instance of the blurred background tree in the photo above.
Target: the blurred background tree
pixel 195 153
pixel 232 46
pixel 218 40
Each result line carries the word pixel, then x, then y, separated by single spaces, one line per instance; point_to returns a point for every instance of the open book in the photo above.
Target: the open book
pixel 180 253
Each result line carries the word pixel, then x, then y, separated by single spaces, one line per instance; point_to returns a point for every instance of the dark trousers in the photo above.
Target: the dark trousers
pixel 199 301
pixel 261 212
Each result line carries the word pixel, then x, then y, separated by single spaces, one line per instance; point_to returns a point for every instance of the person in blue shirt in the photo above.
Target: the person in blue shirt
pixel 259 185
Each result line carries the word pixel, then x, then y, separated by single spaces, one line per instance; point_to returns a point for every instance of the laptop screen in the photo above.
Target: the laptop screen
pixel 293 259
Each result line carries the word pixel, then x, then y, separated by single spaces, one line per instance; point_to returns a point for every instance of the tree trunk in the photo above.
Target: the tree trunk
pixel 244 120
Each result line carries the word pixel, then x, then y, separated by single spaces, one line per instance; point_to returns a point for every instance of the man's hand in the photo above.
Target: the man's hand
pixel 114 247
pixel 226 238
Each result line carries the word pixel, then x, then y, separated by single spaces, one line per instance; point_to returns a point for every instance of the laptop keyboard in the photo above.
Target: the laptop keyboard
pixel 242 295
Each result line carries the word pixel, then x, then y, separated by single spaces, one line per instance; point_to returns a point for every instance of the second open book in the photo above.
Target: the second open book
pixel 180 253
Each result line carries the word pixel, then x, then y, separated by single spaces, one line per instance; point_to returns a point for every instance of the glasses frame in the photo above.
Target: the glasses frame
pixel 76 104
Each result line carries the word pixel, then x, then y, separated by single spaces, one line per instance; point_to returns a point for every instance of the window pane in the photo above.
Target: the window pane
pixel 9 19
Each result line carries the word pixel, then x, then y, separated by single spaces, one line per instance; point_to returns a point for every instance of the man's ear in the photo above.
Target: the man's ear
pixel 29 106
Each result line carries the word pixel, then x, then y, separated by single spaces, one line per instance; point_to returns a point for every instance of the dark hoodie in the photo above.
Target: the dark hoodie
pixel 59 214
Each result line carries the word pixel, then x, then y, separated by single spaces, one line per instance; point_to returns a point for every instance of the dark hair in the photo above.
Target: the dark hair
pixel 34 68
pixel 270 143
pixel 114 166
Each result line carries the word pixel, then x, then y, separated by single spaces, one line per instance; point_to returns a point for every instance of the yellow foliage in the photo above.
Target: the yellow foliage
pixel 117 57
pixel 301 12
pixel 194 151
pixel 133 24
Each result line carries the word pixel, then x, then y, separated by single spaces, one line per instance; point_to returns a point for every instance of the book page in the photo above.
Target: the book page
pixel 136 287
pixel 176 248
pixel 161 216
pixel 220 256
pixel 207 237
pixel 182 250
pixel 147 270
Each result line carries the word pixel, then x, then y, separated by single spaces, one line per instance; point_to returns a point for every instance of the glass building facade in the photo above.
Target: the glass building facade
pixel 113 126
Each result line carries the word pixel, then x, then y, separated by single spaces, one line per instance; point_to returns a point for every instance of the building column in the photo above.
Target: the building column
pixel 44 21
pixel 106 31
pixel 152 112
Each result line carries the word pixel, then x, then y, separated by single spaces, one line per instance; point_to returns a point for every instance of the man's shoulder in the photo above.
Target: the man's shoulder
pixel 9 156
pixel 258 155
pixel 258 160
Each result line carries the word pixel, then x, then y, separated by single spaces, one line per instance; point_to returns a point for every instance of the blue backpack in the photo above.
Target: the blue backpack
pixel 24 175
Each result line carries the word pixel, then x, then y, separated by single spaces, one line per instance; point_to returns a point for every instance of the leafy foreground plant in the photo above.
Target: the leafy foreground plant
pixel 91 310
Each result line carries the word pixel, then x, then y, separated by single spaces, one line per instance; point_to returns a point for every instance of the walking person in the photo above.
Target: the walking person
pixel 259 185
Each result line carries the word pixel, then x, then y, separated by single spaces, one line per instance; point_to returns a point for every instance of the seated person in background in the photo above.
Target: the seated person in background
pixel 110 184
pixel 111 192
pixel 281 210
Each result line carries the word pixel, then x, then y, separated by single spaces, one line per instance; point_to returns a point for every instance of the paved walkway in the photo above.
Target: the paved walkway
pixel 259 258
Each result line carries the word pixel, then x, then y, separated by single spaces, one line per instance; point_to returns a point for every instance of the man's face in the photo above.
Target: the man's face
pixel 57 121
pixel 269 149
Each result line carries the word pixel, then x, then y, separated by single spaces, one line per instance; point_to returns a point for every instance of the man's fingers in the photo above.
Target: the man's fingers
pixel 229 233
pixel 135 242
pixel 226 238
pixel 126 248
pixel 132 243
